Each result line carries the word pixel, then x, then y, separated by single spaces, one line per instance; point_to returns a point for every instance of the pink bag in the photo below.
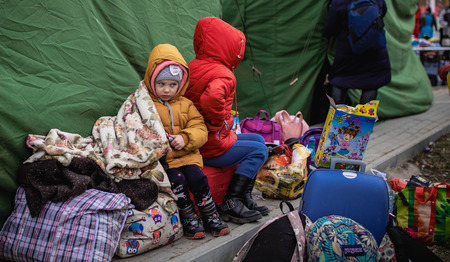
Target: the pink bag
pixel 268 129
pixel 291 126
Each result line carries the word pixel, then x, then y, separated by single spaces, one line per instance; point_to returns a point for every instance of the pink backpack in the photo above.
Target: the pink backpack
pixel 268 129
pixel 291 126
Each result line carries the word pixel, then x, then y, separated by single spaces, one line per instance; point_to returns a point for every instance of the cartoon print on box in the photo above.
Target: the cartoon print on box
pixel 148 229
pixel 346 133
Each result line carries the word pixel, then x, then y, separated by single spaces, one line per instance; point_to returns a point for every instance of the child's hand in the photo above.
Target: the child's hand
pixel 177 142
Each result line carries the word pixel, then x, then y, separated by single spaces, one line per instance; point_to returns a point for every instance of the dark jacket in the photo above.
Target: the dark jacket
pixel 370 70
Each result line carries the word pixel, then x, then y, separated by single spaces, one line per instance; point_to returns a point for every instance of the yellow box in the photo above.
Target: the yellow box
pixel 346 132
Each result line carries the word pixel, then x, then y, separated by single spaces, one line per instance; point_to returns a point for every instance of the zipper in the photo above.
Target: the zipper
pixel 218 133
pixel 242 48
pixel 226 125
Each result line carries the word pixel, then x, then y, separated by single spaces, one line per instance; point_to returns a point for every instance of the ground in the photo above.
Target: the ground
pixel 434 164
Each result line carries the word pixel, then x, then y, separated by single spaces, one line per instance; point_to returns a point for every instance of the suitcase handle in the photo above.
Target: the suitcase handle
pixel 360 163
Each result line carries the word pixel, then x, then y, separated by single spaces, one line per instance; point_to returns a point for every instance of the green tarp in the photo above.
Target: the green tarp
pixel 66 63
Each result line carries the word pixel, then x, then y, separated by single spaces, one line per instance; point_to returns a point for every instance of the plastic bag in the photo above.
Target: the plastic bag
pixel 282 176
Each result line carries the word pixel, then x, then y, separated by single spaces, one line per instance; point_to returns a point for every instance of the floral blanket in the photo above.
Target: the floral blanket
pixel 125 146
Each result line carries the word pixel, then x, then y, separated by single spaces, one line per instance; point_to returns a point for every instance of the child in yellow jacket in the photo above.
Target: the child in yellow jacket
pixel 166 78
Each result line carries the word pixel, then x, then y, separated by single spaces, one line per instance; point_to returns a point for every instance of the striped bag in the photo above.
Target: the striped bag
pixel 83 228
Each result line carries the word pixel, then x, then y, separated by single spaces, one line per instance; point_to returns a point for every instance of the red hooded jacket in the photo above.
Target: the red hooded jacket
pixel 219 48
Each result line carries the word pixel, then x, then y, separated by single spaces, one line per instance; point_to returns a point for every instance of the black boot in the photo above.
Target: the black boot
pixel 232 207
pixel 192 225
pixel 212 221
pixel 250 203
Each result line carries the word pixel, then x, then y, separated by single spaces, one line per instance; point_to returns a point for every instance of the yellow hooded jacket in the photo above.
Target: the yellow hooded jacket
pixel 187 121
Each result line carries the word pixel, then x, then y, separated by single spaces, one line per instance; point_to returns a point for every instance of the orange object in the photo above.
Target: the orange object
pixel 398 184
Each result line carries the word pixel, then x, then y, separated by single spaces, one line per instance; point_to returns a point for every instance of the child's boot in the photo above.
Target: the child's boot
pixel 192 225
pixel 250 203
pixel 212 221
pixel 233 207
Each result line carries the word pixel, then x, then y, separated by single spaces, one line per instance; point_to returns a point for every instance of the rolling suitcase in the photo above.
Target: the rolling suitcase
pixel 357 195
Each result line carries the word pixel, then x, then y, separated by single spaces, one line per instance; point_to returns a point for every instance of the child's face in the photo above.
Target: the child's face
pixel 347 137
pixel 166 89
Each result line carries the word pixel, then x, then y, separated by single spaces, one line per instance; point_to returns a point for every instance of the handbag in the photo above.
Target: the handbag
pixel 291 126
pixel 422 212
pixel 268 129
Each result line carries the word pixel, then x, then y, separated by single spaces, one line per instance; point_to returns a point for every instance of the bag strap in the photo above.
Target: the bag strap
pixel 283 149
pixel 285 117
pixel 258 115
pixel 298 224
pixel 299 115
pixel 433 194
pixel 291 208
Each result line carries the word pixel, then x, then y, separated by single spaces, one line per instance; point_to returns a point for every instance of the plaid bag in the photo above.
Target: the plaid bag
pixel 83 228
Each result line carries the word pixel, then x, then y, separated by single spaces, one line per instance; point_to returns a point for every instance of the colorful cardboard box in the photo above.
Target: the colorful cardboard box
pixel 346 132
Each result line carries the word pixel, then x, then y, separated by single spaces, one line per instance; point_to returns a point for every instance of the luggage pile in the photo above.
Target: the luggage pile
pixel 351 214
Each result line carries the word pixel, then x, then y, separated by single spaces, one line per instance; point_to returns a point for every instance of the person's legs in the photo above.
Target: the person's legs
pixel 339 94
pixel 179 187
pixel 368 95
pixel 198 185
pixel 250 152
pixel 192 226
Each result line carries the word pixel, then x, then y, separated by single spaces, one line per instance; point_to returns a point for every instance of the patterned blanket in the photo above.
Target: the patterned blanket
pixel 125 146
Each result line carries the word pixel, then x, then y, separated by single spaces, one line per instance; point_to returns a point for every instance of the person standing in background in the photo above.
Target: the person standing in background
pixel 428 25
pixel 444 21
pixel 367 71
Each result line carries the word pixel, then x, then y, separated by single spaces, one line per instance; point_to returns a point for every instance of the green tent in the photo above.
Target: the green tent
pixel 287 45
pixel 66 63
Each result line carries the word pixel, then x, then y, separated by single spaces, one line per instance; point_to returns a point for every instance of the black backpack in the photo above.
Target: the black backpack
pixel 409 249
pixel 276 239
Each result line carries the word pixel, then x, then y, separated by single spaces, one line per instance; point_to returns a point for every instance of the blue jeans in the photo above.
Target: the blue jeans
pixel 249 151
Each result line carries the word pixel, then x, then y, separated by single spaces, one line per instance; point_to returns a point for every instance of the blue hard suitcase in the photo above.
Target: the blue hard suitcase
pixel 357 195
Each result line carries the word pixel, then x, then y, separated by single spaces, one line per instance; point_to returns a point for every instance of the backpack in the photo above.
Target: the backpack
pixel 268 129
pixel 407 248
pixel 337 238
pixel 365 26
pixel 310 140
pixel 282 238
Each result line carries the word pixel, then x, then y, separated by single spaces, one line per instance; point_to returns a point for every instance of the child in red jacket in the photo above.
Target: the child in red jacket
pixel 219 49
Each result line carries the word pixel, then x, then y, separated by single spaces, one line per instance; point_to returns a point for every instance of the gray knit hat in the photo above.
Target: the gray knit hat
pixel 170 72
